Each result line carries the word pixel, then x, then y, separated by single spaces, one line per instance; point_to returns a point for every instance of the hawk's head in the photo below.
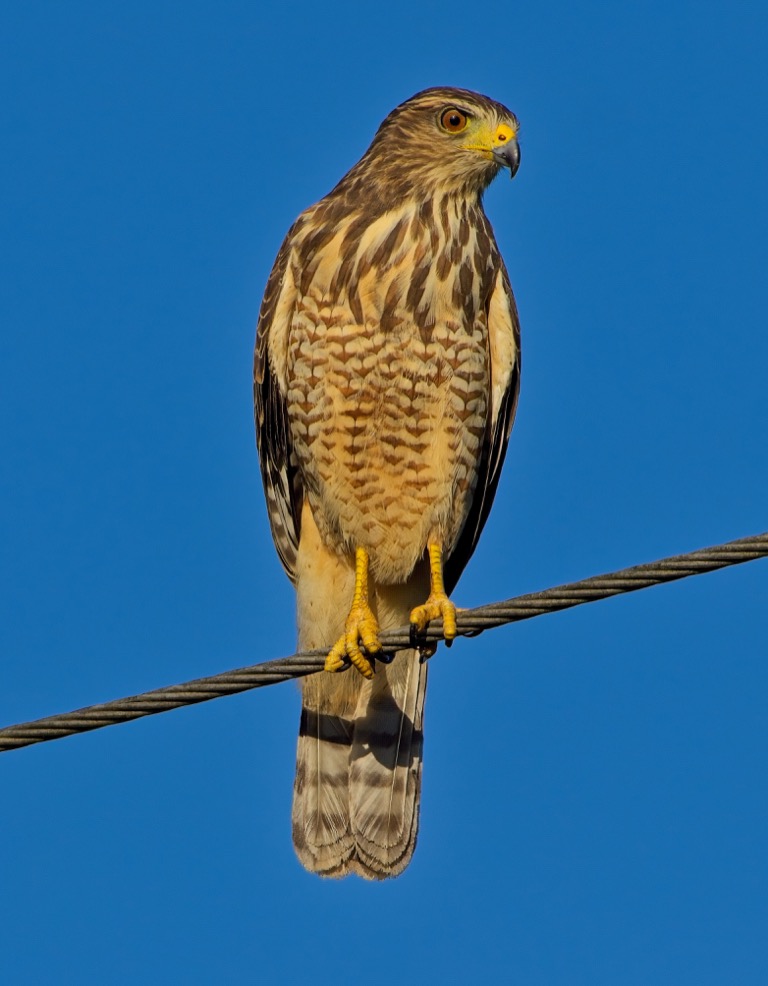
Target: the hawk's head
pixel 441 140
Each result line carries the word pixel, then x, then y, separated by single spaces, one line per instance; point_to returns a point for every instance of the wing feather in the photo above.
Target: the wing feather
pixel 279 468
pixel 504 344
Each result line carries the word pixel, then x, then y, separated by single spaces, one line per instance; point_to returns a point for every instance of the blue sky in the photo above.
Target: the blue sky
pixel 594 804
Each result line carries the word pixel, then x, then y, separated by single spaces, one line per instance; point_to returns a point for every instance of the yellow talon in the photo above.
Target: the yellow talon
pixel 438 605
pixel 361 627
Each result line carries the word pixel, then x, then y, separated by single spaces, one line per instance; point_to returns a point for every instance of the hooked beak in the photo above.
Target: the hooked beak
pixel 508 155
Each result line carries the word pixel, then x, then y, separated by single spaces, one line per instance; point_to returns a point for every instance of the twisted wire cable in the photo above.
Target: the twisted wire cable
pixel 470 623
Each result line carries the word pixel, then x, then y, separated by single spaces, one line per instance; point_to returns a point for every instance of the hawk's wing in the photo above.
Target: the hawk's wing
pixel 279 469
pixel 504 343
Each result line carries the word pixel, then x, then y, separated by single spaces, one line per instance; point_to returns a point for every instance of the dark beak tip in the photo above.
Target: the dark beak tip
pixel 515 158
pixel 509 157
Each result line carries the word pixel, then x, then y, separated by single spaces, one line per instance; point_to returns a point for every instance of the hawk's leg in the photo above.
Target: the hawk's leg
pixel 438 604
pixel 361 627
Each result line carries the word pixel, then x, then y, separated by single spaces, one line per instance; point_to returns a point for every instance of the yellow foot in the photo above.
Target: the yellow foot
pixel 435 607
pixel 361 627
pixel 438 605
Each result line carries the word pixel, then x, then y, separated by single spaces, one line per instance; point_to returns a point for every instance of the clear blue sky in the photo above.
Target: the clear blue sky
pixel 595 805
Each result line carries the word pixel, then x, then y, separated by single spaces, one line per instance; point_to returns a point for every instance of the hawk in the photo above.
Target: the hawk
pixel 386 375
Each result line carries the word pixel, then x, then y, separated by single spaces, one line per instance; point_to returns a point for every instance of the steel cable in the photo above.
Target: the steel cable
pixel 470 622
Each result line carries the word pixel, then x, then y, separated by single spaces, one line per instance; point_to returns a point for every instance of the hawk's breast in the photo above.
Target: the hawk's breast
pixel 388 382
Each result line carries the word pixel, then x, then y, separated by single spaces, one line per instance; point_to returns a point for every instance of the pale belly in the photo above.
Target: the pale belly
pixel 388 431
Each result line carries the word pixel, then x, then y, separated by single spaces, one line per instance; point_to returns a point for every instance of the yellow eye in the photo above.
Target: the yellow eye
pixel 453 120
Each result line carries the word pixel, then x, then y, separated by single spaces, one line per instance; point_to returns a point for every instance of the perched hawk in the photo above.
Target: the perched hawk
pixel 386 376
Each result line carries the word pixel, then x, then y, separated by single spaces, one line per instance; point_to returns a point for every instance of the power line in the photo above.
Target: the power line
pixel 470 623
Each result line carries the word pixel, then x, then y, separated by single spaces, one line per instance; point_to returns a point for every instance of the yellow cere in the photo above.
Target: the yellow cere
pixel 503 135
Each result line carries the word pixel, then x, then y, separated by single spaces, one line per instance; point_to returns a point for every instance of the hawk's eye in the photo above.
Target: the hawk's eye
pixel 453 120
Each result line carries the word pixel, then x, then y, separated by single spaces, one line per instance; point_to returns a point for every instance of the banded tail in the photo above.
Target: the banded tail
pixel 358 764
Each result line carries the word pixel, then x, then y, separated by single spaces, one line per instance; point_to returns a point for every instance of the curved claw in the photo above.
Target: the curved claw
pixel 438 605
pixel 361 627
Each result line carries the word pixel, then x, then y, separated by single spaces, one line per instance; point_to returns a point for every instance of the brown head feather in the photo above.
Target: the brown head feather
pixel 411 156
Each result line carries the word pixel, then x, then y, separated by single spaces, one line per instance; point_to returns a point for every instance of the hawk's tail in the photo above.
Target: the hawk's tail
pixel 385 769
pixel 358 775
pixel 358 764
